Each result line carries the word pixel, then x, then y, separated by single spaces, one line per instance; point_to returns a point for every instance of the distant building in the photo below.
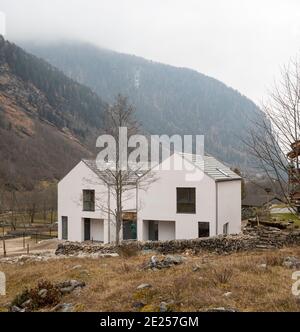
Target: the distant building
pixel 261 200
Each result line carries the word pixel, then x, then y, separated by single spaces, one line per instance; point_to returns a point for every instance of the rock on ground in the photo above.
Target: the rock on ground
pixel 143 286
pixel 221 309
pixel 63 307
pixel 291 262
pixel 165 262
pixel 69 285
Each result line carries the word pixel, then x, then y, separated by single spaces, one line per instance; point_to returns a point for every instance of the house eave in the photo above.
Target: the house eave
pixel 225 180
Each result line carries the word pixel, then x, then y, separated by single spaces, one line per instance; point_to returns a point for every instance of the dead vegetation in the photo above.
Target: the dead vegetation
pixel 252 281
pixel 33 296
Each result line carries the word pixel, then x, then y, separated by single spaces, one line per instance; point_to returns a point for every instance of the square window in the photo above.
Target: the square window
pixel 203 229
pixel 186 200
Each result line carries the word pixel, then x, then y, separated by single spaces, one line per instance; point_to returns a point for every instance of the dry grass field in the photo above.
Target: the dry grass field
pixel 197 284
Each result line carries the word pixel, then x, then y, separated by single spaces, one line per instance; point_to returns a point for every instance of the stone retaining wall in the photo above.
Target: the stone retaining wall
pixel 251 239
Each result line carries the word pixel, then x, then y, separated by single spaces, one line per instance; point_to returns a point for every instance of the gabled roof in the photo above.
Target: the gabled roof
pixel 218 171
pixel 212 167
pixel 91 163
pixel 131 178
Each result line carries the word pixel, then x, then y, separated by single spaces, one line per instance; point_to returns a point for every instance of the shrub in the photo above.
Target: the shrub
pixel 222 276
pixel 21 298
pixel 51 298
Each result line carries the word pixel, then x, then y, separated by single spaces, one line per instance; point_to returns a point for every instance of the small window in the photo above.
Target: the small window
pixel 226 228
pixel 203 229
pixel 64 228
pixel 88 200
pixel 186 200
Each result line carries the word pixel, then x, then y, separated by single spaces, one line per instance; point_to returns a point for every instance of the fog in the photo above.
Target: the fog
pixel 240 42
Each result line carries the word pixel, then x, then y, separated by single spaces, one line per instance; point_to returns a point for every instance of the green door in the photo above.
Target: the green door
pixel 129 230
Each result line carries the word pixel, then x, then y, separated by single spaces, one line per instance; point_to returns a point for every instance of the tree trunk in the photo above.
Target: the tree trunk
pixel 51 215
pixel 32 214
pixel 118 227
pixel 118 215
pixel 44 212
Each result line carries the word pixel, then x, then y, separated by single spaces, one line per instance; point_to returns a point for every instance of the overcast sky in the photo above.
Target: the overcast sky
pixel 240 42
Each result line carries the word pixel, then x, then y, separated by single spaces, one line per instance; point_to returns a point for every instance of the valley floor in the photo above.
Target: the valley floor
pixel 254 281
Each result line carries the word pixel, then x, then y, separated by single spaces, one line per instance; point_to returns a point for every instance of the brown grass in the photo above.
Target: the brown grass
pixel 111 282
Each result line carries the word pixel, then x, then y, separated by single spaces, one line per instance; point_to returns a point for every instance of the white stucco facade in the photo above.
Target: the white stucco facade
pixel 217 202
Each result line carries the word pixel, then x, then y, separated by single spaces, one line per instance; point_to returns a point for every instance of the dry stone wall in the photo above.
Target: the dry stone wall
pixel 252 238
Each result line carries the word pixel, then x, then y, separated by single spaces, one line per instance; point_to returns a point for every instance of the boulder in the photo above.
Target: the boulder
pixel 43 293
pixel 138 305
pixel 17 309
pixel 165 262
pixel 63 307
pixel 262 266
pixel 221 309
pixel 166 306
pixel 143 286
pixel 27 304
pixel 69 285
pixel 76 267
pixel 173 259
pixel 291 262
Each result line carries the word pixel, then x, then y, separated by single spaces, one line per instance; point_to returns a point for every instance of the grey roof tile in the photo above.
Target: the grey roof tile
pixel 212 167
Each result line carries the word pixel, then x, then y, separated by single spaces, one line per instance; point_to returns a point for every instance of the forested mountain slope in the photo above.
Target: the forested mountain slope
pixel 169 100
pixel 47 121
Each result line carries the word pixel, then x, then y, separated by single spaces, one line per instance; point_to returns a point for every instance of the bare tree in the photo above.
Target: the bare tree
pixel 51 197
pixel 243 190
pixel 274 140
pixel 2 197
pixel 32 210
pixel 12 203
pixel 28 203
pixel 119 181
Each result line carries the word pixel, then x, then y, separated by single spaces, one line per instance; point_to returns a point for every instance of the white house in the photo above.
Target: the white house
pixel 178 205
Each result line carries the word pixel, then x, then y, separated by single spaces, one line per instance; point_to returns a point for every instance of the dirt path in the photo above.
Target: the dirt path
pixel 16 247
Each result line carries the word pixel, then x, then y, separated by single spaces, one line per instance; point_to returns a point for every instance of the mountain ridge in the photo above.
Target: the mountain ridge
pixel 169 100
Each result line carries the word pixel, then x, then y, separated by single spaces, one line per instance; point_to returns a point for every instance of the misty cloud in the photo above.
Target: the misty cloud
pixel 241 43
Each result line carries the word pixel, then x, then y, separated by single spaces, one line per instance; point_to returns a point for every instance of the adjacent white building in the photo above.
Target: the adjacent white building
pixel 178 205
